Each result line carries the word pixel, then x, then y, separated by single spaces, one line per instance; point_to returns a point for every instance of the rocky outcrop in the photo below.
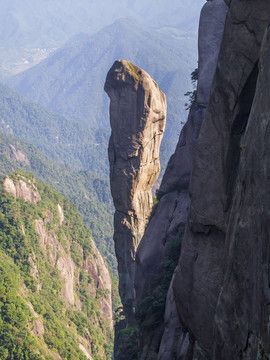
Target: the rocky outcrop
pixel 19 156
pixel 59 256
pixel 94 265
pixel 98 270
pixel 220 284
pixel 217 305
pixel 137 117
pixel 61 214
pixel 22 188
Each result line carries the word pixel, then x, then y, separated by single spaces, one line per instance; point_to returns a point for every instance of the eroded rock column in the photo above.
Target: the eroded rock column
pixel 137 117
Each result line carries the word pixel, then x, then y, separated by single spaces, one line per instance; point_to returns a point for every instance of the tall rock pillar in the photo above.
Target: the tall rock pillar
pixel 137 117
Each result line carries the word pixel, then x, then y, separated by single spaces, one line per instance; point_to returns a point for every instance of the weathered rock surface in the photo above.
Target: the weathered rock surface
pixel 98 270
pixel 170 214
pixel 177 174
pixel 225 235
pixel 19 156
pixel 217 305
pixel 211 30
pixel 137 117
pixel 172 210
pixel 86 353
pixel 242 314
pixel 58 258
pixel 23 189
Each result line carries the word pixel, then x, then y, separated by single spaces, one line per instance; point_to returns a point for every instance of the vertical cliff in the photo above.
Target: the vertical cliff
pixel 218 285
pixel 165 231
pixel 137 117
pixel 202 266
pixel 242 313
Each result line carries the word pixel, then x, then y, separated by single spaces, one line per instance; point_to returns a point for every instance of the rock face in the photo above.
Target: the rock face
pixel 217 305
pixel 220 284
pixel 58 258
pixel 94 265
pixel 244 300
pixel 137 117
pixel 98 270
pixel 18 155
pixel 211 30
pixel 23 189
pixel 172 210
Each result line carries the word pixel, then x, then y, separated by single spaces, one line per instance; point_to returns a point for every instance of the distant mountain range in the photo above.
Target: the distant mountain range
pixel 50 23
pixel 88 191
pixel 70 81
pixel 61 139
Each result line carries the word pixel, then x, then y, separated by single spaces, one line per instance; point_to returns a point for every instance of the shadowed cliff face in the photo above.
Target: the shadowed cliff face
pixel 211 27
pixel 170 217
pixel 217 305
pixel 242 314
pixel 137 117
pixel 220 284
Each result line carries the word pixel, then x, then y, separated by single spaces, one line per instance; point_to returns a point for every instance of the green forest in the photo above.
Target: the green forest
pixel 31 287
pixel 89 192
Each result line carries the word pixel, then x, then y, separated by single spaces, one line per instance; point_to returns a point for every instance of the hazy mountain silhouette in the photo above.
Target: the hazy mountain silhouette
pixel 71 80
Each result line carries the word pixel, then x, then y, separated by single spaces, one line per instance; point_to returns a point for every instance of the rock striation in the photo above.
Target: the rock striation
pixel 172 210
pixel 137 118
pixel 216 185
pixel 244 299
pixel 218 285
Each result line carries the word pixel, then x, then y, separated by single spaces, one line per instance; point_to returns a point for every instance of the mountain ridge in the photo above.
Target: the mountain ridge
pixel 82 63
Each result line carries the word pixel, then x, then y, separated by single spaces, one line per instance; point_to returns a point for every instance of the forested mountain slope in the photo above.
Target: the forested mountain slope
pixel 55 288
pixel 89 192
pixel 63 140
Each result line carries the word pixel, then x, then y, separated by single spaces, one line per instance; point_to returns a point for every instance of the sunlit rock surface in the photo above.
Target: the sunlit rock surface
pixel 137 117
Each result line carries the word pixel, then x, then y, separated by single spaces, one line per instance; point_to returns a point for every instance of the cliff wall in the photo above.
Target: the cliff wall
pixel 199 279
pixel 211 222
pixel 168 222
